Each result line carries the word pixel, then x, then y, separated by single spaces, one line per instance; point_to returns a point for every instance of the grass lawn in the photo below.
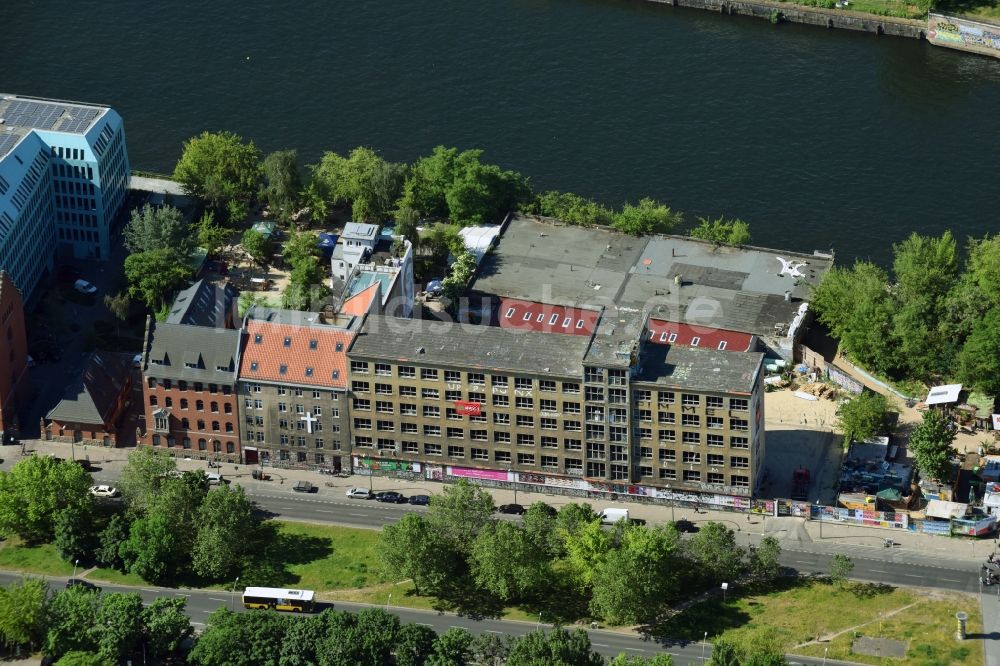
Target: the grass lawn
pixel 805 611
pixel 334 558
pixel 916 9
pixel 43 559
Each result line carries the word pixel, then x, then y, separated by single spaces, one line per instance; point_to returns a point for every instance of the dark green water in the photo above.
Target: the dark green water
pixel 818 138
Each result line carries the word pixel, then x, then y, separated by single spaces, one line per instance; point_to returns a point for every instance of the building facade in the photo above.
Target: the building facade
pixel 189 377
pixel 64 173
pixel 93 407
pixel 14 387
pixel 292 388
pixel 611 408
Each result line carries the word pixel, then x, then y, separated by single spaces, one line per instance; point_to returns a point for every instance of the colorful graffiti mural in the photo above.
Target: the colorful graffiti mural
pixel 960 33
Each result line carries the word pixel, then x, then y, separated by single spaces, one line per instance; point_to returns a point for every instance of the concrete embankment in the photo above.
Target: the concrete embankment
pixel 819 16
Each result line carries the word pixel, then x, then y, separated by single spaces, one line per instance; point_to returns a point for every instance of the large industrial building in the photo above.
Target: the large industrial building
pixel 64 173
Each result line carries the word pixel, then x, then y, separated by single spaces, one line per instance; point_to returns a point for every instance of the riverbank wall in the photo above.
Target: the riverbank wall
pixel 818 16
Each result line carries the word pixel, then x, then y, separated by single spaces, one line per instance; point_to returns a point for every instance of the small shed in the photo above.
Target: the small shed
pixel 944 396
pixel 945 510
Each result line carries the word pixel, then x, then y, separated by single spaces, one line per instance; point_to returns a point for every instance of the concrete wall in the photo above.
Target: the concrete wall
pixel 964 34
pixel 827 18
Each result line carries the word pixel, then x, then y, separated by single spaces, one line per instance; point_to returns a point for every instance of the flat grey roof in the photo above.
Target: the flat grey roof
pixel 423 342
pixel 22 114
pixel 671 277
pixel 302 318
pixel 360 230
pixel 699 369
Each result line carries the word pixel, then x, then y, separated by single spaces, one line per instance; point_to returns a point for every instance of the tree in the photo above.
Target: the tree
pixel 426 187
pixel 506 563
pixel 211 236
pixel 226 517
pixel 635 580
pixel 722 231
pixel 979 359
pixel 540 529
pixel 219 168
pixel 662 659
pixel 119 625
pixel 764 560
pixel 75 538
pixel 586 550
pixel 461 273
pixel 154 549
pixel 414 644
pixel 865 416
pixel 930 443
pixel 34 491
pixel 160 228
pixel 302 640
pixel 573 209
pixel 841 567
pixel 153 276
pixel 363 639
pixel 364 180
pixel 71 616
pixel 412 548
pixel 573 517
pixel 258 246
pixel 716 553
pixel 142 477
pixel 78 658
pixel 483 193
pixel 442 240
pixel 111 538
pixel 240 639
pixel 23 612
pixel 166 626
pixel 558 647
pixel 118 305
pixel 407 221
pixel 282 182
pixel 857 306
pixel 645 218
pixel 306 278
pixel 460 513
pixel 489 649
pixel 451 648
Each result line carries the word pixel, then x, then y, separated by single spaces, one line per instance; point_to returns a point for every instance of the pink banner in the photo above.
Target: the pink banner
pixel 469 473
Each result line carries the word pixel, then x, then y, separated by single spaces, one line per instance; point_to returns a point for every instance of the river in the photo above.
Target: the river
pixel 820 139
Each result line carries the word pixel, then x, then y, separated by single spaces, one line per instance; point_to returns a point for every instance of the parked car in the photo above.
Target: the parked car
pixel 104 491
pixel 214 479
pixel 84 287
pixel 389 496
pixel 359 493
pixel 85 584
pixel 304 487
pixel 515 509
pixel 684 525
pixel 420 500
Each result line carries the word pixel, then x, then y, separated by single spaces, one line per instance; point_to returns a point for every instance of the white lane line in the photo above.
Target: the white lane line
pixel 454 627
pixel 600 645
pixel 912 576
pixel 424 624
pixel 878 571
pixel 951 580
pixel 323 511
pixel 180 594
pixel 634 649
pixel 146 589
pixel 492 631
pixel 359 515
pixel 217 599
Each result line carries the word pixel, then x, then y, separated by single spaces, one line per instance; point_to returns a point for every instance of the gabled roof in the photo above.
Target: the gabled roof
pixel 941 395
pixel 205 304
pixel 361 303
pixel 192 353
pixel 524 315
pixel 91 398
pixel 304 355
pixel 360 231
pixel 691 335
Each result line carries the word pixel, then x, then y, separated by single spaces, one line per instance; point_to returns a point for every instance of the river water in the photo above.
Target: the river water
pixel 820 139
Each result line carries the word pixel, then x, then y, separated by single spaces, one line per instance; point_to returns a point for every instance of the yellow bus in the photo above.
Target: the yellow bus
pixel 297 601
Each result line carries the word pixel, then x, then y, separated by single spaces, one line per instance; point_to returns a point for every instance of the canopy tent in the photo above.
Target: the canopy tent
pixel 889 495
pixel 945 510
pixel 326 243
pixel 944 394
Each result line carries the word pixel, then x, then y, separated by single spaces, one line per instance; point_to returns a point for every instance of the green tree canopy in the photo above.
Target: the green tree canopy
pixel 363 180
pixel 573 209
pixel 506 563
pixel 979 359
pixel 166 626
pixel 765 565
pixel 412 548
pixel 23 612
pixel 225 519
pixel 865 416
pixel 258 246
pixel 722 231
pixel 78 658
pixel 142 477
pixel 451 648
pixel 119 625
pixel 407 221
pixel 71 617
pixel 460 512
pixel 414 644
pixel 240 639
pixel 34 491
pixel 154 276
pixel 930 443
pixel 715 551
pixel 558 647
pixel 211 235
pixel 282 183
pixel 75 538
pixel 586 550
pixel 841 567
pixel 219 168
pixel 647 217
pixel 159 228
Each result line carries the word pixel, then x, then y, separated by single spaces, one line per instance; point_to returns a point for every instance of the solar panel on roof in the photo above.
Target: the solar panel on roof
pixel 7 142
pixel 28 113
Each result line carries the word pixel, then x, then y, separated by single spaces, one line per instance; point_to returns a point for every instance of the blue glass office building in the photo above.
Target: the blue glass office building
pixel 64 173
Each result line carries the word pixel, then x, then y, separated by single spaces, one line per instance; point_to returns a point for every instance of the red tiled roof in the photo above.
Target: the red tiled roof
pixel 543 318
pixel 360 303
pixel 307 355
pixel 690 335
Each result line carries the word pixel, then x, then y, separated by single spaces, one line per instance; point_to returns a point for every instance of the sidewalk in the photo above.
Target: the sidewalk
pixel 794 533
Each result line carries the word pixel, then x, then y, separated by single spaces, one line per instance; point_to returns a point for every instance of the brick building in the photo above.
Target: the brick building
pixel 14 386
pixel 92 407
pixel 292 388
pixel 189 376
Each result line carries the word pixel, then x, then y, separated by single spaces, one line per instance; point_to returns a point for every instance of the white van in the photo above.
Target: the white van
pixel 611 516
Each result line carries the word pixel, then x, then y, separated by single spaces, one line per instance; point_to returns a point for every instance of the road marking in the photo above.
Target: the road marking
pixel 146 589
pixel 878 571
pixel 600 645
pixel 180 594
pixel 912 576
pixel 801 562
pixel 424 624
pixel 323 511
pixel 217 599
pixel 490 631
pixel 951 580
pixel 359 515
pixel 634 649
pixel 454 627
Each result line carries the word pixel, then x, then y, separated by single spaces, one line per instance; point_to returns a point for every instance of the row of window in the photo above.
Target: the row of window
pixel 669 456
pixel 260 437
pixel 199 405
pixel 248 388
pixel 185 443
pixel 162 422
pixel 197 387
pixel 453 376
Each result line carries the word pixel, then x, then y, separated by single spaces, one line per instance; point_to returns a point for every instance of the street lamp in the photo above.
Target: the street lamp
pixel 704 642
pixel 75 562
pixel 538 624
pixel 232 595
pixel 825 650
pixel 725 586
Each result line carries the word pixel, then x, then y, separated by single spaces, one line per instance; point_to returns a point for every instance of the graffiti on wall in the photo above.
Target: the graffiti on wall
pixel 963 34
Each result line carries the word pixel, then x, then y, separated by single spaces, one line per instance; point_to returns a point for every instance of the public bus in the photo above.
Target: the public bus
pixel 297 601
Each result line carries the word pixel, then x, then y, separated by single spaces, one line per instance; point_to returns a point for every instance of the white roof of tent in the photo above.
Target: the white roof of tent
pixel 479 239
pixel 940 395
pixel 942 509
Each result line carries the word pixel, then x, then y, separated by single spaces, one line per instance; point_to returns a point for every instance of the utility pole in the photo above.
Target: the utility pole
pixel 232 595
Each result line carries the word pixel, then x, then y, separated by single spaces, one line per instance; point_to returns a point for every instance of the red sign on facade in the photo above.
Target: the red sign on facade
pixel 468 408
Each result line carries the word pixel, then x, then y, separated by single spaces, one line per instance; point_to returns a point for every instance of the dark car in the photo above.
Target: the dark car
pixel 85 584
pixel 684 525
pixel 420 500
pixel 303 487
pixel 515 509
pixel 390 496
